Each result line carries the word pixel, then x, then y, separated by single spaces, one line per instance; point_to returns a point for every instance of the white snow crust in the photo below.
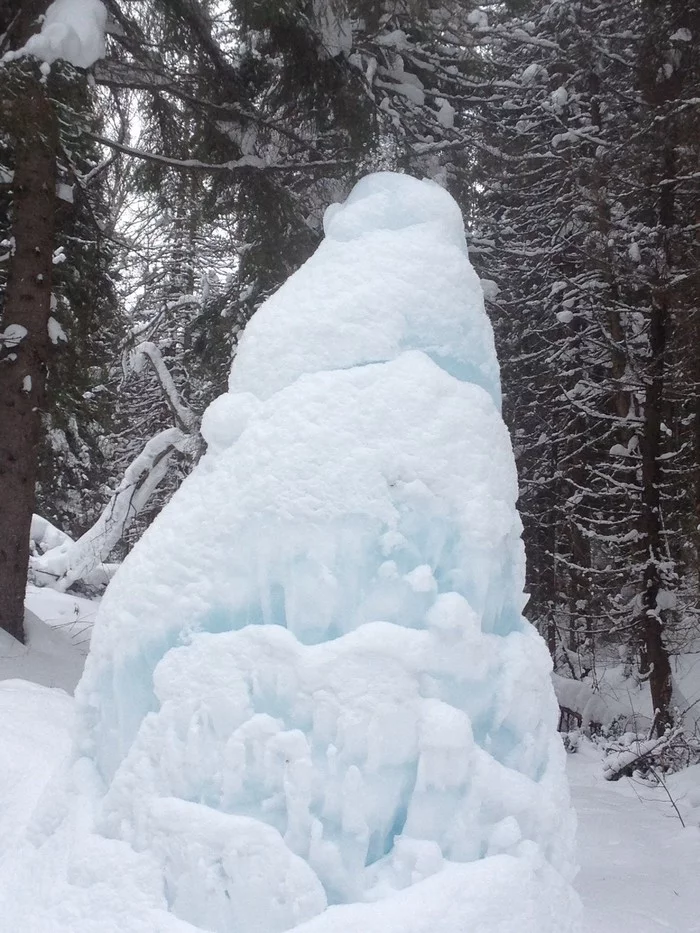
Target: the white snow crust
pixel 312 702
pixel 36 724
pixel 72 30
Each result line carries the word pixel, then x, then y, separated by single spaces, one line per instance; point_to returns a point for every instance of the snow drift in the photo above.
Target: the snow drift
pixel 312 701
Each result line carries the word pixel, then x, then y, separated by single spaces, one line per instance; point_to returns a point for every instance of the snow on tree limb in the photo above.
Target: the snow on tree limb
pixel 69 562
pixel 73 561
pixel 183 415
pixel 72 30
pixel 245 162
pixel 624 761
pixel 45 536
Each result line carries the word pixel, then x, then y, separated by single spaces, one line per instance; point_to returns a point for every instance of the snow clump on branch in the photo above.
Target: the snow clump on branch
pixel 72 30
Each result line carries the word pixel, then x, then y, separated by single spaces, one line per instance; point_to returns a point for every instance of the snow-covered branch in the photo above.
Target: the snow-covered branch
pixel 58 561
pixel 72 30
pixel 73 561
pixel 246 162
pixel 624 761
pixel 185 418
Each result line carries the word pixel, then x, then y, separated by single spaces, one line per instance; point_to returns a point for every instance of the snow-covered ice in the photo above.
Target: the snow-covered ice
pixel 391 275
pixel 638 865
pixel 312 701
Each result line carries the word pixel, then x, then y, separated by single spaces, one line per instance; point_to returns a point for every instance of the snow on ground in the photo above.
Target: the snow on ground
pixel 36 705
pixel 63 610
pixel 610 693
pixel 639 866
pixel 35 736
pixel 58 628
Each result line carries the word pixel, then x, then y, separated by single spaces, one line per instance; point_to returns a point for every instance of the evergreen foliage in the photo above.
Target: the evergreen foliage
pixel 592 143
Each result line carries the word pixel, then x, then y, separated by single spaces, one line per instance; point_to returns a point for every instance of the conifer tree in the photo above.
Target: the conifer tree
pixel 33 137
pixel 590 123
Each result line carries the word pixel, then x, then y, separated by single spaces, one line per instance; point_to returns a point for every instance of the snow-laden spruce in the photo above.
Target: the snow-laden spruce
pixel 72 30
pixel 311 683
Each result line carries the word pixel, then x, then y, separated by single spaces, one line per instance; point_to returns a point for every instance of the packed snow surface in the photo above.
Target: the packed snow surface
pixel 57 629
pixel 72 30
pixel 36 728
pixel 312 701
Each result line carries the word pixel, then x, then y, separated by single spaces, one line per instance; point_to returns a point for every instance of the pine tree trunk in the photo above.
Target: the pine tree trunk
pixel 23 364
pixel 659 89
pixel 655 656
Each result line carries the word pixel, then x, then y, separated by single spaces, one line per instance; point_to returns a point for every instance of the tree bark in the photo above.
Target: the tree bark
pixel 24 357
pixel 654 653
pixel 658 89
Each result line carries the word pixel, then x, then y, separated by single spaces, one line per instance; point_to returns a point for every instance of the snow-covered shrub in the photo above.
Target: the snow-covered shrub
pixel 571 741
pixel 651 757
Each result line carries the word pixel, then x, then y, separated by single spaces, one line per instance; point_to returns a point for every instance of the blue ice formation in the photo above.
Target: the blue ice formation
pixel 311 682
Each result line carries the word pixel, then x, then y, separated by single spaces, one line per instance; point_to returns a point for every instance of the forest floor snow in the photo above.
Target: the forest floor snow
pixel 57 628
pixel 639 866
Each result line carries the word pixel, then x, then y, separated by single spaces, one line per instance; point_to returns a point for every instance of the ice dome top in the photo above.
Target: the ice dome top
pixel 391 275
pixel 387 201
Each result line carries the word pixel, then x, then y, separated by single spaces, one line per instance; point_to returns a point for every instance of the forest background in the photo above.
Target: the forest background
pixel 149 204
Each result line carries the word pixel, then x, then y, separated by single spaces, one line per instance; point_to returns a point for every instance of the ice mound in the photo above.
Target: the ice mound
pixel 353 304
pixel 312 701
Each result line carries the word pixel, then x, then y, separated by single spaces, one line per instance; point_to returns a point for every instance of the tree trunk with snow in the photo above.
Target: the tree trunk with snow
pixel 654 654
pixel 24 346
pixel 671 137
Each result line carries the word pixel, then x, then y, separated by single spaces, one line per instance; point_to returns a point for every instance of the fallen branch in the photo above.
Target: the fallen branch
pixel 72 561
